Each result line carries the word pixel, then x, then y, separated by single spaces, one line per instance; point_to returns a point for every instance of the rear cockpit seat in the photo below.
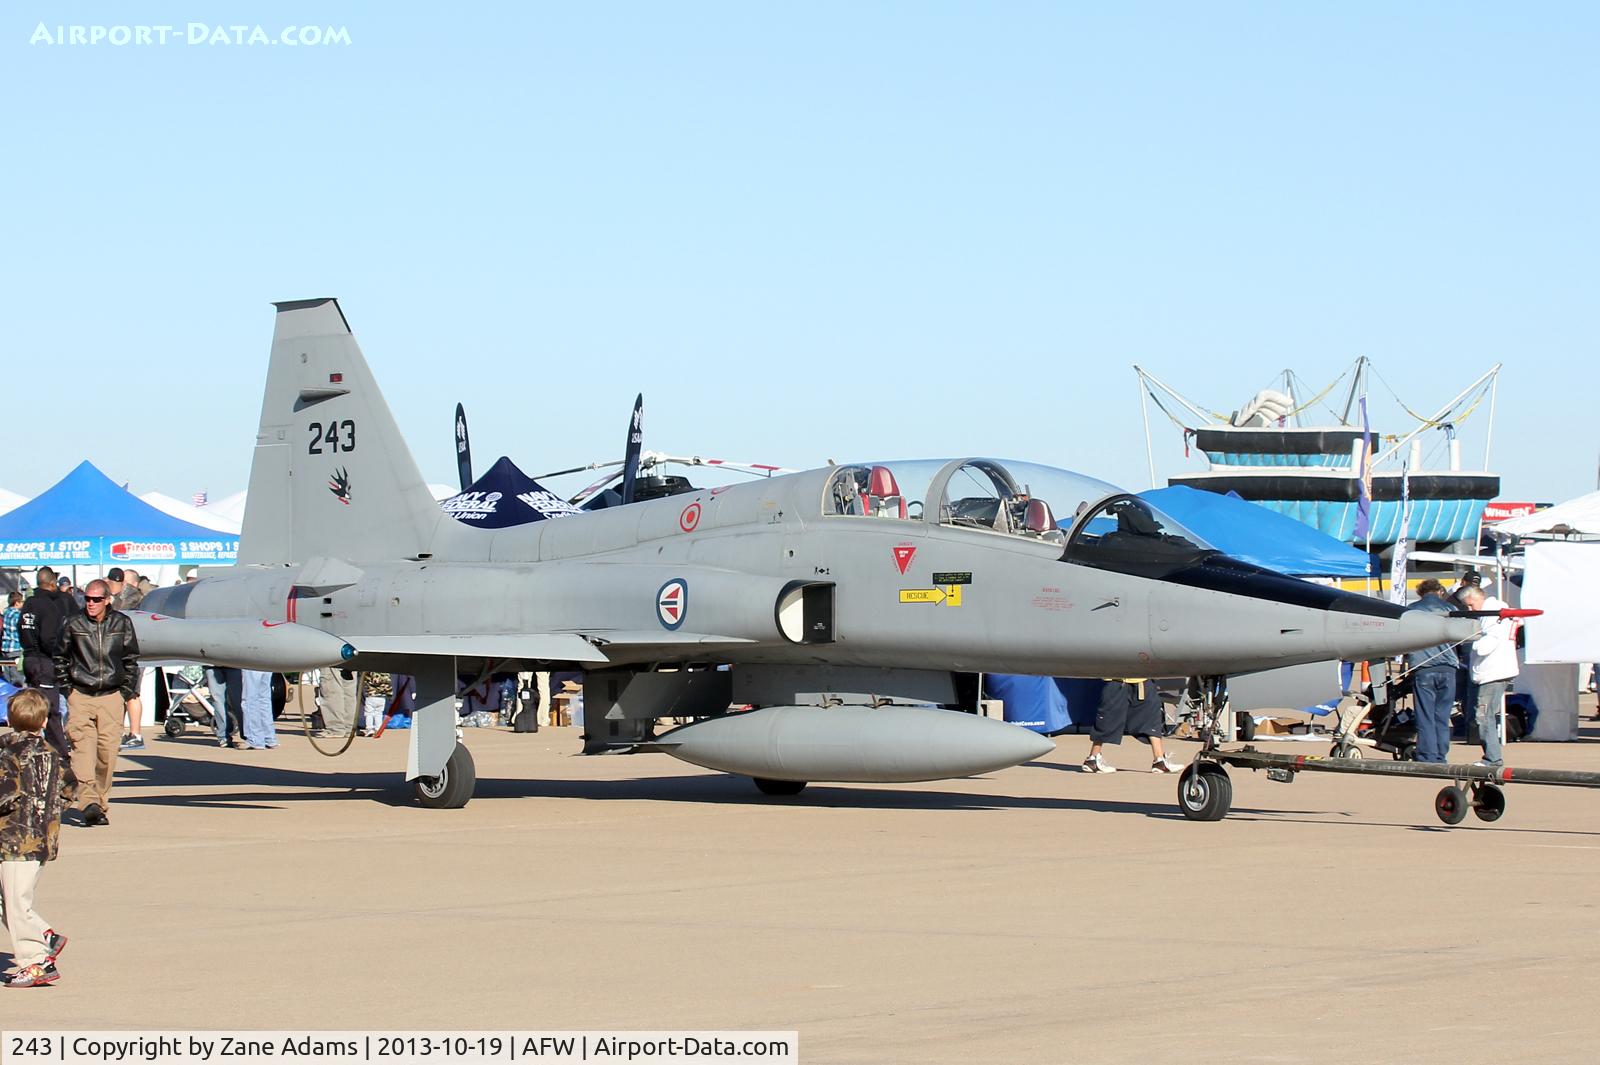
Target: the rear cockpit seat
pixel 882 499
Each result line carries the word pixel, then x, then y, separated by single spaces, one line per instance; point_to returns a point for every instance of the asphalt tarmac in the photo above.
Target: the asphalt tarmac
pixel 1039 914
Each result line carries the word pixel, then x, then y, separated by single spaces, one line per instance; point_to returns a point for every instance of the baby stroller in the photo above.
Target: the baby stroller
pixel 189 701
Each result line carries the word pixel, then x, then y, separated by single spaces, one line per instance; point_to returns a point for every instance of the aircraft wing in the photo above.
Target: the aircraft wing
pixel 588 648
pixel 656 638
pixel 555 647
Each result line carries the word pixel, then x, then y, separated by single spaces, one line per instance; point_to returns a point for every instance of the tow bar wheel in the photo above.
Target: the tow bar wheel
pixel 1488 802
pixel 1451 805
pixel 1205 792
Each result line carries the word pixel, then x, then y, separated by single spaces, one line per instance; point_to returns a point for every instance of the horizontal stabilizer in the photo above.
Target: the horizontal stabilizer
pixel 323 576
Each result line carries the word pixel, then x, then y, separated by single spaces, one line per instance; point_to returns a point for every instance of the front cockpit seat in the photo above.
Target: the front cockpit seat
pixel 1037 519
pixel 882 498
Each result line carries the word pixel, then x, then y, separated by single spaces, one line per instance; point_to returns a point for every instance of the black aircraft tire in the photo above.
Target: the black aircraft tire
pixel 779 787
pixel 1247 725
pixel 1451 805
pixel 1205 792
pixel 451 789
pixel 1489 802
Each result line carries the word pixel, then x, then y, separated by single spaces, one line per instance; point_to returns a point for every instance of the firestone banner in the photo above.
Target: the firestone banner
pixel 113 551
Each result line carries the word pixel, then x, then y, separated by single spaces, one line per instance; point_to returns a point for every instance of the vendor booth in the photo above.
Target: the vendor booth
pixel 87 520
pixel 505 496
pixel 1557 551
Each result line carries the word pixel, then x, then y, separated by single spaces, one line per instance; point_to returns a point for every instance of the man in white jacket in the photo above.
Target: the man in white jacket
pixel 1494 666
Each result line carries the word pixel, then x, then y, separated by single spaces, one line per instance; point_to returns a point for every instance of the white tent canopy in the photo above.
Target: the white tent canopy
pixel 205 517
pixel 10 501
pixel 231 508
pixel 1581 515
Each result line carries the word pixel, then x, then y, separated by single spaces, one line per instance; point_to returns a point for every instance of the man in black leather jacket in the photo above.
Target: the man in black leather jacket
pixel 97 665
pixel 43 616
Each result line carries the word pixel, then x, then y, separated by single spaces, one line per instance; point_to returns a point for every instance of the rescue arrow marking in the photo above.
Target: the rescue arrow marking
pixel 949 595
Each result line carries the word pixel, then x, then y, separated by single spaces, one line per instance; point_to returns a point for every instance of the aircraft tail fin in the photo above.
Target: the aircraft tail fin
pixel 633 450
pixel 332 476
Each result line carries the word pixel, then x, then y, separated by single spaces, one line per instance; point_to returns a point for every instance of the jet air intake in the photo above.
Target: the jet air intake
pixel 853 744
pixel 805 612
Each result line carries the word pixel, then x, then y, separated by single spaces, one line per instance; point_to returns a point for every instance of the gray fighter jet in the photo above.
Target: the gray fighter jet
pixel 839 603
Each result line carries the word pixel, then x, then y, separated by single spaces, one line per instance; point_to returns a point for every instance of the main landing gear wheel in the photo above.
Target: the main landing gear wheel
pixel 1451 805
pixel 1488 802
pixel 453 787
pixel 1205 792
pixel 779 787
pixel 1247 725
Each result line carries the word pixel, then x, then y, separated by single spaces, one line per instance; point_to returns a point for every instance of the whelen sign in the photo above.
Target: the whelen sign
pixel 1500 511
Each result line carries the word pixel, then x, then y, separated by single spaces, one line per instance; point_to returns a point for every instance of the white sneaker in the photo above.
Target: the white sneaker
pixel 1165 764
pixel 1097 764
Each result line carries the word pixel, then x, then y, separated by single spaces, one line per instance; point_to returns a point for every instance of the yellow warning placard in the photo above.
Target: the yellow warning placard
pixel 949 595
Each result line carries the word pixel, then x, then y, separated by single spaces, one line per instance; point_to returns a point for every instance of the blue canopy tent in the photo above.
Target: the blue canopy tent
pixel 1252 533
pixel 505 496
pixel 86 519
pixel 1232 525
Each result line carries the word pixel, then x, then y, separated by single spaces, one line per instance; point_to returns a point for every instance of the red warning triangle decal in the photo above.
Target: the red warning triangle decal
pixel 903 556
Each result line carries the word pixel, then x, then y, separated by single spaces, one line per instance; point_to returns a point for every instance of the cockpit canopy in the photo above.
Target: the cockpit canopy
pixel 1012 498
pixel 1095 523
pixel 1126 534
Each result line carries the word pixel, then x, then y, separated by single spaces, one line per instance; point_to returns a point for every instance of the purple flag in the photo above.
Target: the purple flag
pixel 1364 502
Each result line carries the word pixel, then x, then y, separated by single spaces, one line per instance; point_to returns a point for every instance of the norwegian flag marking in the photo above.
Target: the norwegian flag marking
pixel 672 603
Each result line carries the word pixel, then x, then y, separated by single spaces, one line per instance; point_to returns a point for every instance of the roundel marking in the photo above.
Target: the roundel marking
pixel 672 603
pixel 690 518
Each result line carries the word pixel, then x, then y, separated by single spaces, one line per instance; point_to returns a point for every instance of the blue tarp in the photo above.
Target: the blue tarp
pixel 86 519
pixel 1255 534
pixel 1035 703
pixel 1045 704
pixel 505 496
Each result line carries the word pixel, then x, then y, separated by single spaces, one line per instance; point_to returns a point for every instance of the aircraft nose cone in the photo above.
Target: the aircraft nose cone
pixel 1419 629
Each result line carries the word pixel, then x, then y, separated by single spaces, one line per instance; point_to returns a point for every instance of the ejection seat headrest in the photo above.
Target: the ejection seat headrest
pixel 1037 519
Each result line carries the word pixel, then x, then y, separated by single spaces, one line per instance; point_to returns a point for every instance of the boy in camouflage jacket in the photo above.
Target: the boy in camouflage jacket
pixel 33 790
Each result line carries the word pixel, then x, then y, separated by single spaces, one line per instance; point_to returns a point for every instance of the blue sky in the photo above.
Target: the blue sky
pixel 807 231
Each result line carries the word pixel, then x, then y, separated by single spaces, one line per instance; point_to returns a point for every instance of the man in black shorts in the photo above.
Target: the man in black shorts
pixel 1131 707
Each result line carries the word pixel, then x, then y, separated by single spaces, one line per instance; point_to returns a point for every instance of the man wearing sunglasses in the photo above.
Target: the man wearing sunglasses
pixel 97 664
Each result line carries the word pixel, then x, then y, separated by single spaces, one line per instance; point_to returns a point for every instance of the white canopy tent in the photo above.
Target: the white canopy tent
pixel 1579 516
pixel 231 508
pixel 10 501
pixel 205 517
pixel 228 508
